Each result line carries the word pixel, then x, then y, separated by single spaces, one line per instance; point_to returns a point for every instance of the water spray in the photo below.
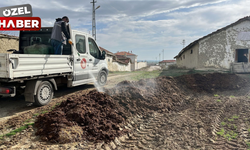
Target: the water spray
pixel 97 86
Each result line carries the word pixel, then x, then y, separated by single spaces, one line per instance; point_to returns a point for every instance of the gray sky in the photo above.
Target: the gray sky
pixel 145 27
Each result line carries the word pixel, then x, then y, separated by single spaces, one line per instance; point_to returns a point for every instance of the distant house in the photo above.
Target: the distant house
pixel 133 58
pixel 116 63
pixel 224 48
pixel 109 55
pixel 167 62
pixel 123 59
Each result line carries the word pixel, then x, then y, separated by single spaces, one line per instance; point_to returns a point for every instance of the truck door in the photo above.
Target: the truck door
pixel 94 58
pixel 81 67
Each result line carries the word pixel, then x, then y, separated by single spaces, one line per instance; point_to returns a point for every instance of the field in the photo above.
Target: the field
pixel 171 109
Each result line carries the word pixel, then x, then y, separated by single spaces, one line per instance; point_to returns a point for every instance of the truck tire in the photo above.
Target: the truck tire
pixel 102 78
pixel 44 94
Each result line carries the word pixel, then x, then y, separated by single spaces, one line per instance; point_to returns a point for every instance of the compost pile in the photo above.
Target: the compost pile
pixel 94 116
pixel 160 94
pixel 212 82
pixel 98 116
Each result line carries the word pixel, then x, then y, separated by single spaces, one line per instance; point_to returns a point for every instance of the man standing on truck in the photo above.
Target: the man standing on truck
pixel 60 34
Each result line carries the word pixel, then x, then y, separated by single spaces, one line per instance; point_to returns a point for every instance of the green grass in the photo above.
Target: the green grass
pixel 216 95
pixel 145 75
pixel 218 100
pixel 233 134
pixel 118 72
pixel 179 72
pixel 223 123
pixel 36 114
pixel 235 117
pixel 14 132
pixel 137 75
pixel 28 120
pixel 174 72
pixel 57 104
pixel 230 119
pixel 248 144
pixel 221 132
pixel 232 96
pixel 44 112
pixel 227 135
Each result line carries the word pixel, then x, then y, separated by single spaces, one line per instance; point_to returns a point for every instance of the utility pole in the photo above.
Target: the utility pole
pixel 183 43
pixel 93 20
pixel 163 54
pixel 159 57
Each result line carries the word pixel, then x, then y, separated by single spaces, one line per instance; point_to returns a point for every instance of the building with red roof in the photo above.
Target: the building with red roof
pixel 167 62
pixel 117 62
pixel 132 57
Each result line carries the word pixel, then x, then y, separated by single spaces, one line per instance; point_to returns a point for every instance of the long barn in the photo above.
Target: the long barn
pixel 226 48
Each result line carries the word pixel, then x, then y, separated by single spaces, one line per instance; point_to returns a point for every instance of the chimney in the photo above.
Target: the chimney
pixel 131 52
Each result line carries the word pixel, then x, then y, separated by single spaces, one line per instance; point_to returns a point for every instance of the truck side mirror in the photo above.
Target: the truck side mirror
pixel 103 54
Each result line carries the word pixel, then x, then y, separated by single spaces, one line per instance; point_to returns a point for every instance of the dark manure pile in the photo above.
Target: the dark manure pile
pixel 147 95
pixel 212 82
pixel 101 116
pixel 93 117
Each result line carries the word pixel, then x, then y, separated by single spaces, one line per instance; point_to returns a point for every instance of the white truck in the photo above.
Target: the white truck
pixel 36 76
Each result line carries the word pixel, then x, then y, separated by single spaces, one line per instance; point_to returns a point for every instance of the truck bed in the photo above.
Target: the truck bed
pixel 14 66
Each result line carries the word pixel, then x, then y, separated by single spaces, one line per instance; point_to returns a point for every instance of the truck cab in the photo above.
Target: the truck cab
pixel 88 59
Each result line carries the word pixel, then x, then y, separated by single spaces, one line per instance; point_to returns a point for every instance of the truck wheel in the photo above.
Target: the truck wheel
pixel 102 78
pixel 44 93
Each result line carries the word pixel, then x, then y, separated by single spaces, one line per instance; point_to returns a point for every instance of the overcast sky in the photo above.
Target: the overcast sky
pixel 145 27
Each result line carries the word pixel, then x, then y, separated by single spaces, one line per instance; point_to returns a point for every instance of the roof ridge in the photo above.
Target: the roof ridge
pixel 223 28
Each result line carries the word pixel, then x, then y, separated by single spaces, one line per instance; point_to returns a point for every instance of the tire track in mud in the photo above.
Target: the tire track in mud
pixel 155 132
pixel 223 142
pixel 245 126
pixel 216 124
pixel 142 135
pixel 167 131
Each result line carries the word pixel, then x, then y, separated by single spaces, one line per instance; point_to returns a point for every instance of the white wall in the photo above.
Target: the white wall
pixel 8 43
pixel 115 66
pixel 167 63
pixel 189 58
pixel 218 50
pixel 141 65
pixel 134 61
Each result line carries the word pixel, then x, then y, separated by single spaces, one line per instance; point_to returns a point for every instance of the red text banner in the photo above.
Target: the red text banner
pixel 20 23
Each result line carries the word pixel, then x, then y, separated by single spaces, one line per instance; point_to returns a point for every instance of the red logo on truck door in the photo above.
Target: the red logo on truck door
pixel 83 63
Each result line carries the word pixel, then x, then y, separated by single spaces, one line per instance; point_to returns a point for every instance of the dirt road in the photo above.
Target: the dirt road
pixel 14 106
